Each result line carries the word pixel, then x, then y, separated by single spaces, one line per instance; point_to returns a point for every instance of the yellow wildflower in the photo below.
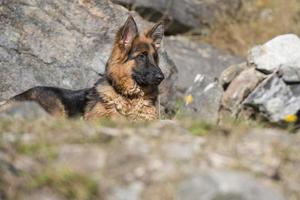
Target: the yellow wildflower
pixel 188 99
pixel 291 118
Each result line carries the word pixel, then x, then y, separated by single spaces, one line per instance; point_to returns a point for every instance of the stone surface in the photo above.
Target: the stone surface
pixel 240 88
pixel 85 159
pixel 24 110
pixel 278 54
pixel 291 74
pixel 168 87
pixel 263 144
pixel 128 192
pixel 230 73
pixel 193 58
pixel 60 43
pixel 274 99
pixel 183 15
pixel 205 97
pixel 43 194
pixel 224 185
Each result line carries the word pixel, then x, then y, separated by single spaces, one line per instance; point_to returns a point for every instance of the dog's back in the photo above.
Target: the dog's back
pixel 56 101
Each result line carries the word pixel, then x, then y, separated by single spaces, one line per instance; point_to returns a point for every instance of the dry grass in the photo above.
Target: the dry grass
pixel 256 22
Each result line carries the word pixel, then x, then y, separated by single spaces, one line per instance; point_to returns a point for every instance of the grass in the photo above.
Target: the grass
pixel 200 128
pixel 67 183
pixel 39 148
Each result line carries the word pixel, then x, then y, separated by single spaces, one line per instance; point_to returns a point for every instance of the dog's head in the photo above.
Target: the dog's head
pixel 133 66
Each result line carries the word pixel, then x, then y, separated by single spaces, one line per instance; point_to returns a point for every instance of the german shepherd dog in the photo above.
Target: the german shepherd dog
pixel 128 89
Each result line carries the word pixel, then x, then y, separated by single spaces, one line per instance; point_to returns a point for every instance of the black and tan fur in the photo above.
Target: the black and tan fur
pixel 129 88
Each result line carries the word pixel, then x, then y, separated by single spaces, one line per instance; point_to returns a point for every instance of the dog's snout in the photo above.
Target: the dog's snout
pixel 159 77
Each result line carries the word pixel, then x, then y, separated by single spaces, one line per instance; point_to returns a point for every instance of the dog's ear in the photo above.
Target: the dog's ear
pixel 157 34
pixel 128 32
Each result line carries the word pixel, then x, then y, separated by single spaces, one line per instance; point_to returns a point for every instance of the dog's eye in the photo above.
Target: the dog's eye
pixel 142 56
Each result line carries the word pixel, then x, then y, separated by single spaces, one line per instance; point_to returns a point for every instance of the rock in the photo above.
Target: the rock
pixel 180 151
pixel 192 58
pixel 230 73
pixel 26 163
pixel 265 147
pixel 183 16
pixel 274 99
pixel 295 88
pixel 282 53
pixel 277 97
pixel 23 110
pixel 203 98
pixel 168 87
pixel 43 194
pixel 61 43
pixel 291 74
pixel 84 159
pixel 224 185
pixel 240 88
pixel 129 192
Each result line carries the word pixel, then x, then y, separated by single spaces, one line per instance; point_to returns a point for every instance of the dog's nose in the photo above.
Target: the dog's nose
pixel 159 77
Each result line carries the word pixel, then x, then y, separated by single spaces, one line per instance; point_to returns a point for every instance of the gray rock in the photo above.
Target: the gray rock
pixel 129 192
pixel 203 98
pixel 60 43
pixel 183 15
pixel 224 185
pixel 291 74
pixel 274 99
pixel 192 58
pixel 23 110
pixel 282 53
pixel 168 87
pixel 295 88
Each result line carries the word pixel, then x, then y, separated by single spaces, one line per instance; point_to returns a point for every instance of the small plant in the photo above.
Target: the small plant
pixel 200 128
pixel 50 152
pixel 66 182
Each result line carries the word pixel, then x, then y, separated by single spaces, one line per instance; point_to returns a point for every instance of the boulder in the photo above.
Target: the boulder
pixel 23 110
pixel 274 99
pixel 193 58
pixel 280 53
pixel 202 99
pixel 61 43
pixel 183 15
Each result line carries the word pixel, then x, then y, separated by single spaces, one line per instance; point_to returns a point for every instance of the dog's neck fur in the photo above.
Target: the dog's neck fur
pixel 120 106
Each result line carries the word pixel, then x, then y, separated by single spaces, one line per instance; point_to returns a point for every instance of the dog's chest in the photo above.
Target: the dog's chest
pixel 134 109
